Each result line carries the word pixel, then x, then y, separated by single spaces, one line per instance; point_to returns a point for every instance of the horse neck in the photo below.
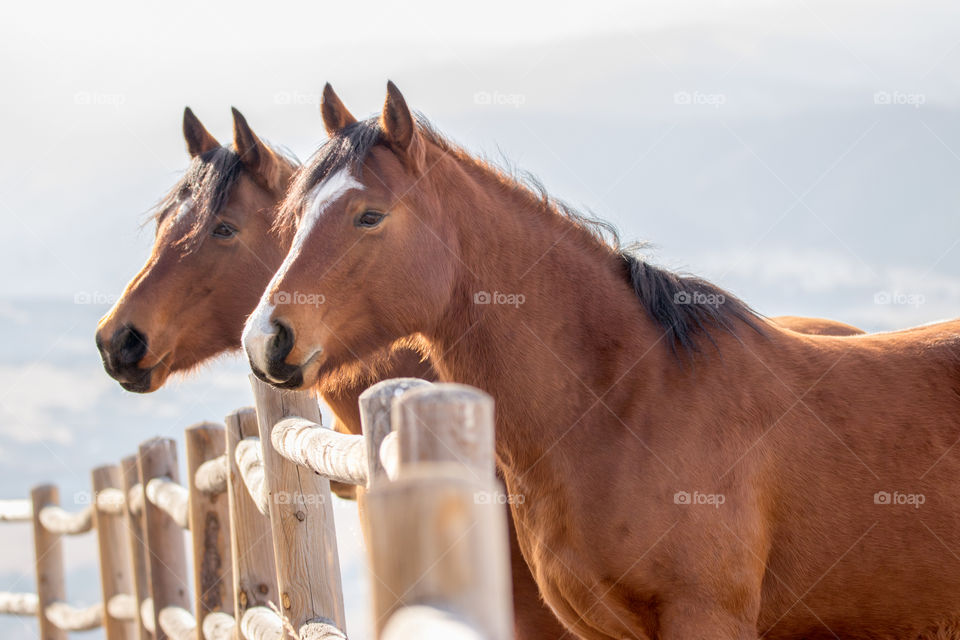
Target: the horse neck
pixel 578 329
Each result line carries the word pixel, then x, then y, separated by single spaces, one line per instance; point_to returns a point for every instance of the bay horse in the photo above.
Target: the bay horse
pixel 213 255
pixel 759 481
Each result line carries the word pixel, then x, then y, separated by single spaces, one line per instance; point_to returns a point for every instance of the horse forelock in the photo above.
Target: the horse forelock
pixel 206 187
pixel 344 151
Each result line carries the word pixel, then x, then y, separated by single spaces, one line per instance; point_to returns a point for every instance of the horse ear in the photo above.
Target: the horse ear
pixel 198 138
pixel 335 115
pixel 258 158
pixel 396 120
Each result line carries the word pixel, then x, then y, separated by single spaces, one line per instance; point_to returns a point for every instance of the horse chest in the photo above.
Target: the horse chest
pixel 573 581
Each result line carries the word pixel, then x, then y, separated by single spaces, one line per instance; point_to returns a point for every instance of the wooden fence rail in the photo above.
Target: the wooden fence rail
pixel 262 538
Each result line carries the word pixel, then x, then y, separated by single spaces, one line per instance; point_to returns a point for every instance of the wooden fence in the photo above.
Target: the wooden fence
pixel 256 502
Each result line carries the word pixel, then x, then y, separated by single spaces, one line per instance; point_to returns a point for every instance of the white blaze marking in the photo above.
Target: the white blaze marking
pixel 185 208
pixel 259 327
pixel 256 333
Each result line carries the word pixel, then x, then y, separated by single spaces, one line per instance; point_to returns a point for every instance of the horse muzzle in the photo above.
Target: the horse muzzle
pixel 121 354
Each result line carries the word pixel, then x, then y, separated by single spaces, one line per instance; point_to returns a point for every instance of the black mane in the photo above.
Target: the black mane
pixel 685 307
pixel 209 180
pixel 347 149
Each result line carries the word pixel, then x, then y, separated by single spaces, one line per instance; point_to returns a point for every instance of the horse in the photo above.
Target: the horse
pixel 758 481
pixel 213 255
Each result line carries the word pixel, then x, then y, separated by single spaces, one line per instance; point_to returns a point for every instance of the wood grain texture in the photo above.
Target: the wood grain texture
pixel 301 517
pixel 136 542
pixel 446 422
pixel 251 538
pixel 437 539
pixel 209 525
pixel 166 551
pixel 375 418
pixel 116 570
pixel 49 562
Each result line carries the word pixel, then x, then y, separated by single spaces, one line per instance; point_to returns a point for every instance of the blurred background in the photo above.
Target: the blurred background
pixel 804 155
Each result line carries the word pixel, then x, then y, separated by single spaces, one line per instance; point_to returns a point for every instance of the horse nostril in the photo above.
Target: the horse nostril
pixel 129 346
pixel 282 342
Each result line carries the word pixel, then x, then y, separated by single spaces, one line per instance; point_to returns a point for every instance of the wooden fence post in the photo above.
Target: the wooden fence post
pixel 116 571
pixel 166 554
pixel 136 542
pixel 439 533
pixel 375 418
pixel 301 518
pixel 209 527
pixel 251 541
pixel 446 423
pixel 375 421
pixel 49 563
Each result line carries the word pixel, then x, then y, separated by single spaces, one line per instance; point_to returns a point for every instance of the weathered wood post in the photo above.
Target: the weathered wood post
pixel 439 532
pixel 49 562
pixel 165 550
pixel 376 403
pixel 251 541
pixel 301 518
pixel 209 527
pixel 136 544
pixel 376 406
pixel 116 570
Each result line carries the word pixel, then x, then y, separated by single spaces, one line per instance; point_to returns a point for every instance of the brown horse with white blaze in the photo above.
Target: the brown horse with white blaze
pixel 758 481
pixel 213 255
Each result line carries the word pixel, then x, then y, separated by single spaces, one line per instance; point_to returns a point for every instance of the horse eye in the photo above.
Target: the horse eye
pixel 369 219
pixel 223 231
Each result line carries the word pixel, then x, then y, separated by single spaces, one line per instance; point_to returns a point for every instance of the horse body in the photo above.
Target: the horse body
pixel 759 480
pixel 797 434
